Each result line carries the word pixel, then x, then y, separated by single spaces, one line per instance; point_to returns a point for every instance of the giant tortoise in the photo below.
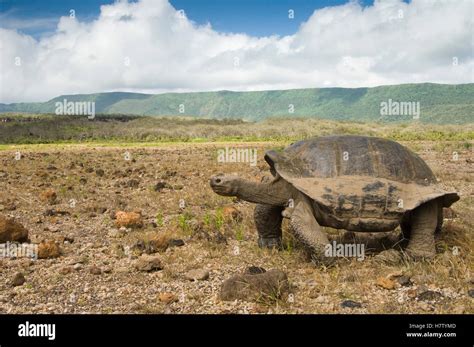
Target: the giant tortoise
pixel 356 183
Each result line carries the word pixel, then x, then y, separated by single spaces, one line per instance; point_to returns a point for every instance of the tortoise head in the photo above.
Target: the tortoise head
pixel 226 185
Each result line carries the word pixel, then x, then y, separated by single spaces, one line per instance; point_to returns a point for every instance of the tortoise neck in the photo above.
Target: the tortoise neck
pixel 277 192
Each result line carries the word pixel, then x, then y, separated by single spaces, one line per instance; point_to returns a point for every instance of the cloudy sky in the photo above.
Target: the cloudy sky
pixel 156 46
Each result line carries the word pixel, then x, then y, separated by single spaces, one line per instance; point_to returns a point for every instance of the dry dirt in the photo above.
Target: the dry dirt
pixel 69 195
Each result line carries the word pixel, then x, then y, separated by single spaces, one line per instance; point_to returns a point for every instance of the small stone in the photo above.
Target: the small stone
pixel 351 304
pixel 412 293
pixel 161 185
pixel 107 269
pixel 404 281
pixel 385 283
pixel 48 249
pixel 66 270
pixel 95 270
pixel 470 292
pixel 99 172
pixel 400 278
pixel 128 219
pixel 18 279
pixel 68 239
pixel 158 243
pixel 12 231
pixel 48 196
pixel 49 212
pixel 167 298
pixel 148 263
pixel 197 275
pixel 78 266
pixel 175 243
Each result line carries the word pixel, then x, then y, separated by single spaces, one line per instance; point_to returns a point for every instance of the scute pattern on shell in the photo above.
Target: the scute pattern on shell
pixel 334 156
pixel 359 179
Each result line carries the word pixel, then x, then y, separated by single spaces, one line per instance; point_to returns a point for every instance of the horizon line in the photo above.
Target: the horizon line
pixel 236 91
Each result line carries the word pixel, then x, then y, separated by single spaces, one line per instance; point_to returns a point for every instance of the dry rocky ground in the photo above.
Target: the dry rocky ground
pixel 138 230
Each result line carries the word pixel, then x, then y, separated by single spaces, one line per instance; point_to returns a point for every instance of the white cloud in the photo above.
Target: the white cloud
pixel 349 46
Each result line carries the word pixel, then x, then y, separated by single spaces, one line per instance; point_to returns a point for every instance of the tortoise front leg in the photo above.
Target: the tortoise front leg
pixel 308 231
pixel 268 220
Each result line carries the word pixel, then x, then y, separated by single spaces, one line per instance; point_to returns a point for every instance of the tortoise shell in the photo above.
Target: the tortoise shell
pixel 359 179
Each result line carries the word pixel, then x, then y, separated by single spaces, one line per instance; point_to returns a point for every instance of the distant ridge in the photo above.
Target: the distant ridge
pixel 439 103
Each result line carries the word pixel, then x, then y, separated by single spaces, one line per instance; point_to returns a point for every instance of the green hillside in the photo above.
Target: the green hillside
pixel 443 104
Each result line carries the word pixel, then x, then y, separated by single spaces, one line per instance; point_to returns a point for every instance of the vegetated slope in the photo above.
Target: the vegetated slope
pixel 443 104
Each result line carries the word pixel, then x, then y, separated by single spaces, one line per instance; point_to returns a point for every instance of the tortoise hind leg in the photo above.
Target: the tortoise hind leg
pixel 418 227
pixel 424 223
pixel 268 221
pixel 308 231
